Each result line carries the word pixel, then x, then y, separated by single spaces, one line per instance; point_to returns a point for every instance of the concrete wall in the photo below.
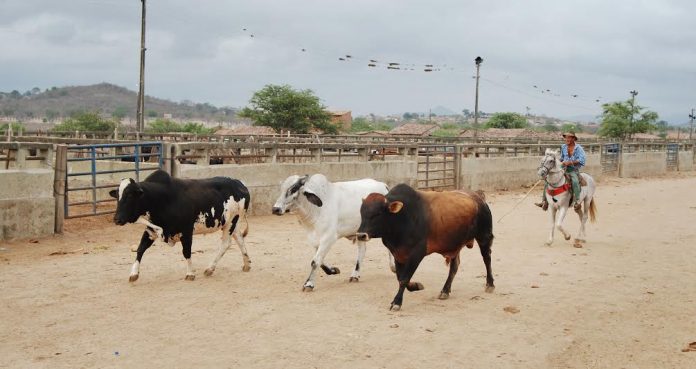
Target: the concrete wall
pixel 263 180
pixel 643 164
pixel 511 172
pixel 686 161
pixel 27 206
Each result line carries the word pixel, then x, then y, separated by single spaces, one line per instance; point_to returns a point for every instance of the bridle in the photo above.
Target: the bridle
pixel 547 167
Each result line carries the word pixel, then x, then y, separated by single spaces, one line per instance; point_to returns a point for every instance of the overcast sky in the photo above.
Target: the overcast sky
pixel 221 51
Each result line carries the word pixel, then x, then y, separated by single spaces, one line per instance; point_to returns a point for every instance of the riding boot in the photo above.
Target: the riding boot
pixel 543 204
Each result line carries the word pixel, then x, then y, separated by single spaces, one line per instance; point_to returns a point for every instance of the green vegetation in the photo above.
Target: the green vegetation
pixel 623 119
pixel 449 130
pixel 86 122
pixel 506 120
pixel 361 124
pixel 16 127
pixel 282 108
pixel 169 126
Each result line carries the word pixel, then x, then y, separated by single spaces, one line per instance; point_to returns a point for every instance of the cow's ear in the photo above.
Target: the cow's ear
pixel 114 194
pixel 314 199
pixel 395 206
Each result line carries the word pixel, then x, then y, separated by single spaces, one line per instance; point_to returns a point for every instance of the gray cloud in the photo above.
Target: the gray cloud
pixel 199 51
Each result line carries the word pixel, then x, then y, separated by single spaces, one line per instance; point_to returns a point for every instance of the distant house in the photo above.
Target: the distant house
pixel 244 130
pixel 415 129
pixel 342 119
pixel 373 133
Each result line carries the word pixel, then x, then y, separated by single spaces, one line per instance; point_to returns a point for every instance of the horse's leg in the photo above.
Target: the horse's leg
pixel 552 214
pixel 562 211
pixel 580 239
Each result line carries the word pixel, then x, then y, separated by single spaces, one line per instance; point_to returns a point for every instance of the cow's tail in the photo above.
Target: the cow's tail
pixel 593 211
pixel 245 211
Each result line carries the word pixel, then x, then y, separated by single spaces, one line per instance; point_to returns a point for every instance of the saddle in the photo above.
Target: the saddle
pixel 581 179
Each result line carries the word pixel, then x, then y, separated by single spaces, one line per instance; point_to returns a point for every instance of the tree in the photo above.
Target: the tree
pixel 197 128
pixel 119 113
pixel 506 120
pixel 283 108
pixel 571 127
pixel 89 122
pixel 623 119
pixel 662 127
pixel 361 124
pixel 164 126
pixel 16 127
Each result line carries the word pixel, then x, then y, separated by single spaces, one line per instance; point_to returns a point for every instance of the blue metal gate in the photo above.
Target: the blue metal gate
pixel 90 169
pixel 672 156
pixel 609 159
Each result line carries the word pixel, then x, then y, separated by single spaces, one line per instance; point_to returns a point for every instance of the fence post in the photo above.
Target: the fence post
pixel 457 166
pixel 60 175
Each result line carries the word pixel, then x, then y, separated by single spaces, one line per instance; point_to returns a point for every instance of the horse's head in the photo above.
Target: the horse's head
pixel 549 163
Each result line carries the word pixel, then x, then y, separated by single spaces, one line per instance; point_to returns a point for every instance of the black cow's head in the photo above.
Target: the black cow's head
pixel 130 200
pixel 375 214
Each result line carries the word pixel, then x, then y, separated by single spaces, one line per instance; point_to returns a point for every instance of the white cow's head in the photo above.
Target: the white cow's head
pixel 290 190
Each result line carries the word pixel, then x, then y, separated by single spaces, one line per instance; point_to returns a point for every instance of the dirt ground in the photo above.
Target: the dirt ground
pixel 625 300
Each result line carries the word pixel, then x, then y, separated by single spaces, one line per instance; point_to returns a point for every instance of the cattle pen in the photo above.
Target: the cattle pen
pixel 622 301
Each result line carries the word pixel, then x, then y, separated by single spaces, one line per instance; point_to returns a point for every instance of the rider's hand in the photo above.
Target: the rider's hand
pixel 567 163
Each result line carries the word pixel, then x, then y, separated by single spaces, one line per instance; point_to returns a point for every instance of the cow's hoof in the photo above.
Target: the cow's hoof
pixel 566 237
pixel 415 286
pixel 490 289
pixel 443 296
pixel 395 307
pixel 307 289
pixel 335 270
pixel 133 278
pixel 208 272
pixel 354 279
pixel 577 245
pixel 190 277
pixel 246 268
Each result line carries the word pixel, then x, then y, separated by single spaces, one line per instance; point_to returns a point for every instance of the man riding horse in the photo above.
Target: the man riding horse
pixel 573 158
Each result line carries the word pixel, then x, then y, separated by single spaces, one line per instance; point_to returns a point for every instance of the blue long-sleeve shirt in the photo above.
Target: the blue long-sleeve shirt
pixel 578 155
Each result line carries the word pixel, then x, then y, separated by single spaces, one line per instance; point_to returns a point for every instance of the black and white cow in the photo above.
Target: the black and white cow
pixel 174 209
pixel 328 211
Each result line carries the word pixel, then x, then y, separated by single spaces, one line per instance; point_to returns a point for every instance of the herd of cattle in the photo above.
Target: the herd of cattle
pixel 411 223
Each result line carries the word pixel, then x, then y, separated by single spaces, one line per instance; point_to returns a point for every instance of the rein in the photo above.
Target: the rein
pixel 556 188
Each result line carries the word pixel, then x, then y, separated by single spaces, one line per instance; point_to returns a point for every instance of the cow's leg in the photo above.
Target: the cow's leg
pixel 225 244
pixel 392 266
pixel 145 243
pixel 325 244
pixel 447 288
pixel 242 248
pixel 355 276
pixel 404 272
pixel 186 242
pixel 485 243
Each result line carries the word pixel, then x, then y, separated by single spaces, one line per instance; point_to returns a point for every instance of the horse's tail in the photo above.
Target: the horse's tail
pixel 593 211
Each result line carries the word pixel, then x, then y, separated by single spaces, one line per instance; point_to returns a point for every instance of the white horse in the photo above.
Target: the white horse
pixel 558 194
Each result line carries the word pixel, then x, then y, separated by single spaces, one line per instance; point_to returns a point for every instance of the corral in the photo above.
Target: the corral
pixel 625 300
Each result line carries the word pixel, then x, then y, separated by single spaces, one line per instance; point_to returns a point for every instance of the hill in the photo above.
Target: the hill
pixel 109 100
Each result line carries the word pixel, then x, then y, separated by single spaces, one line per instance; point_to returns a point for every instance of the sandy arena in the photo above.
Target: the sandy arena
pixel 625 300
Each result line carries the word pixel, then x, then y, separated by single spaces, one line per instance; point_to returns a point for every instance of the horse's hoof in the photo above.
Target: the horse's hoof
pixel 133 278
pixel 577 245
pixel 190 277
pixel 490 289
pixel 307 289
pixel 547 243
pixel 395 307
pixel 443 296
pixel 415 286
pixel 392 268
pixel 208 272
pixel 246 268
pixel 354 279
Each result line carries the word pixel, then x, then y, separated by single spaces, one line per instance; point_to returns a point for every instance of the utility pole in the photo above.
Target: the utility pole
pixel 633 102
pixel 141 86
pixel 691 125
pixel 478 62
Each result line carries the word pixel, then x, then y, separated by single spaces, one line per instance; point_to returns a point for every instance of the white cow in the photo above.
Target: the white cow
pixel 328 211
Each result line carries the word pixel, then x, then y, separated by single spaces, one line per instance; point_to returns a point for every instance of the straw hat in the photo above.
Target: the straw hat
pixel 571 134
